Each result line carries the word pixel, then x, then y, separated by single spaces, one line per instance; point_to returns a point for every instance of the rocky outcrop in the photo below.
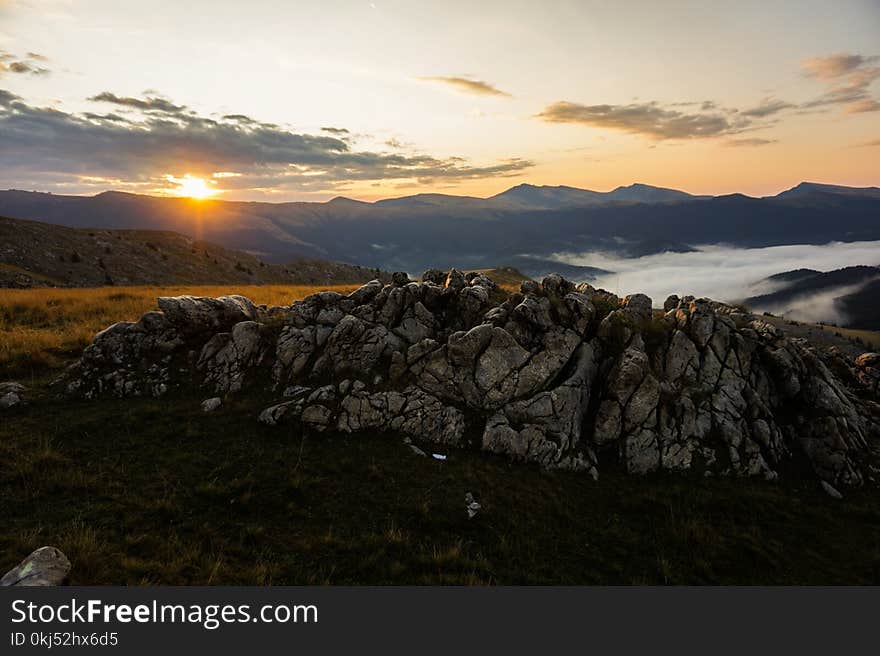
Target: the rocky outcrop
pixel 47 566
pixel 560 375
pixel 11 394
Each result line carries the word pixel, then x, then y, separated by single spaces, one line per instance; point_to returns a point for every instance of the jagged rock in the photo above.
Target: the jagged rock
pixel 11 394
pixel 546 428
pixel 410 412
pixel 417 451
pixel 209 405
pixel 317 416
pixel 471 505
pixel 436 276
pixel 192 314
pixel 482 280
pixel 227 358
pixel 297 391
pixel 556 285
pixel 274 414
pixel 47 566
pixel 559 375
pixel 639 307
pixel 867 372
pixel 831 491
pixel 455 280
pixel 366 293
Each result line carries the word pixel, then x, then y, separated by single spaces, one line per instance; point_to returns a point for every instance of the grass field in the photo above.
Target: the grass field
pixel 155 491
pixel 43 328
pixel 870 338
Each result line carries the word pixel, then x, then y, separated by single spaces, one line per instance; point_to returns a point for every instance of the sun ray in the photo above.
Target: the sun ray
pixel 191 186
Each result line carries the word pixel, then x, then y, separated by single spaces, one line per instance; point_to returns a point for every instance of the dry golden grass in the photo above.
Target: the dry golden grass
pixel 41 328
pixel 870 338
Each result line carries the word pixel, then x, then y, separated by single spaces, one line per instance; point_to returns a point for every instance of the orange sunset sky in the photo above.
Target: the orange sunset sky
pixel 310 100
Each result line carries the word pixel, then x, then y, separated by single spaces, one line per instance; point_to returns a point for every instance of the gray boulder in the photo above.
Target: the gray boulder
pixel 47 566
pixel 11 394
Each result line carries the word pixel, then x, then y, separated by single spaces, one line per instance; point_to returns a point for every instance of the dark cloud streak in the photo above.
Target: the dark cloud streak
pixel 28 65
pixel 468 85
pixel 648 119
pixel 150 103
pixel 752 142
pixel 160 138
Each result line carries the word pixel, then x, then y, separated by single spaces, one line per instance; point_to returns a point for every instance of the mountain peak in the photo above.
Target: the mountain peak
pixel 638 192
pixel 805 188
pixel 344 200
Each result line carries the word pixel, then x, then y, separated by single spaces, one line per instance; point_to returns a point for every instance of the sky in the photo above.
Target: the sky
pixel 311 100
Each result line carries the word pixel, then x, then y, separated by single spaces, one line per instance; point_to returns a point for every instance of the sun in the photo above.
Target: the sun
pixel 192 187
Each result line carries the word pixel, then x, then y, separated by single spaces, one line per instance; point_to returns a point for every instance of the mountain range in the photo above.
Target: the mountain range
pixel 426 230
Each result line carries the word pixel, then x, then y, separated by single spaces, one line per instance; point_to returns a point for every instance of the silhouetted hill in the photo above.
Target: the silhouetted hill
pixel 863 307
pixel 803 284
pixel 851 293
pixel 791 276
pixel 809 189
pixel 428 230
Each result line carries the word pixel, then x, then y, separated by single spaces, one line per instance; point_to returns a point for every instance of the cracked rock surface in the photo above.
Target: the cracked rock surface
pixel 560 375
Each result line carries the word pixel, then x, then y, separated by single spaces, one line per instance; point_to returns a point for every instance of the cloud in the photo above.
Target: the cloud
pixel 28 65
pixel 739 143
pixel 239 118
pixel 468 85
pixel 834 66
pixel 149 103
pixel 862 106
pixel 648 119
pixel 848 78
pixel 767 107
pixel 875 142
pixel 336 131
pixel 45 146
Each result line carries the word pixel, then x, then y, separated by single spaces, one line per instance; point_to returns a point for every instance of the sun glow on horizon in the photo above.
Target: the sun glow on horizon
pixel 192 187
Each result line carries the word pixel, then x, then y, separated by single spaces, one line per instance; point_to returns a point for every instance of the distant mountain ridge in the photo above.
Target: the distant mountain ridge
pixel 810 188
pixel 546 197
pixel 418 232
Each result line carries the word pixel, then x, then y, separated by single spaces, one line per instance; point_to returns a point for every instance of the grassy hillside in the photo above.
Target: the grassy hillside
pixel 39 254
pixel 507 278
pixel 848 340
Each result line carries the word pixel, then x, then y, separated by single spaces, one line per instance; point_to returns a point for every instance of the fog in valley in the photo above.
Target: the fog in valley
pixel 731 274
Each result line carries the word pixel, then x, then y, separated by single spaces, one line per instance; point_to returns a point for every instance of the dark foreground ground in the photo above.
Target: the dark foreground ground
pixel 157 492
